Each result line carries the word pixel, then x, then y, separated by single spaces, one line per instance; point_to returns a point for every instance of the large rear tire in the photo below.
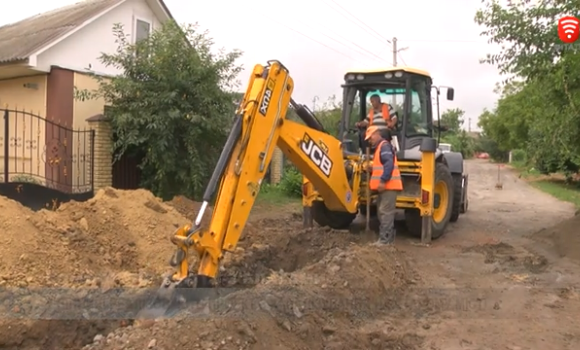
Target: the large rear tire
pixel 337 220
pixel 444 197
pixel 457 195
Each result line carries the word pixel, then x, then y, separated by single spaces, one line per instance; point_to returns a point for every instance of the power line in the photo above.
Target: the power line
pixel 444 41
pixel 319 43
pixel 402 59
pixel 364 25
pixel 364 53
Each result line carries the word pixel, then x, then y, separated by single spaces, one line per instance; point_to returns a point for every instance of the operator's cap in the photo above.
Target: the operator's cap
pixel 371 130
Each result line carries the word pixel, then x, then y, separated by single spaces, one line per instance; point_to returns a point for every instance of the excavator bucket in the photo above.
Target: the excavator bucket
pixel 165 303
pixel 173 297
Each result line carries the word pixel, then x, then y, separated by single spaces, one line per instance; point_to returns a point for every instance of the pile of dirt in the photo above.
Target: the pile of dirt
pixel 334 303
pixel 116 239
pixel 185 206
pixel 564 237
pixel 288 287
pixel 87 243
pixel 291 288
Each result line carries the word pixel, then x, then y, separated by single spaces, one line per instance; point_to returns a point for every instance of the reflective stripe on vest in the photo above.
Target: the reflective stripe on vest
pixel 385 114
pixel 395 183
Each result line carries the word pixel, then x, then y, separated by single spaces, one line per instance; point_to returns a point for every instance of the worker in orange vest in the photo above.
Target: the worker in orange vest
pixel 386 180
pixel 382 115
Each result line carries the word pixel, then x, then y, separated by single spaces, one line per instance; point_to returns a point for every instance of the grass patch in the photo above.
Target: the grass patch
pixel 559 189
pixel 554 184
pixel 275 195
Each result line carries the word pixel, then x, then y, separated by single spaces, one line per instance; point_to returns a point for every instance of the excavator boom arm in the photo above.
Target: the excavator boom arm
pixel 260 126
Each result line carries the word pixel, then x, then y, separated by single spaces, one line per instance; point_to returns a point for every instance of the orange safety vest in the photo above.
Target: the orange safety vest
pixel 395 183
pixel 384 111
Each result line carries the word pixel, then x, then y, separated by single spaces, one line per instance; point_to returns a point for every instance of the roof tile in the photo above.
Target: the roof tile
pixel 21 39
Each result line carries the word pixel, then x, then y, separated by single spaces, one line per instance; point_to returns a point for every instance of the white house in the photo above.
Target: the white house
pixel 42 59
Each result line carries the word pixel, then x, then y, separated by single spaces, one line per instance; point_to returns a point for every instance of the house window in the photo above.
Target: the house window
pixel 142 30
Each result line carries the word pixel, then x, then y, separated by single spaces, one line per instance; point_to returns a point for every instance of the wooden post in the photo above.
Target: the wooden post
pixel 368 190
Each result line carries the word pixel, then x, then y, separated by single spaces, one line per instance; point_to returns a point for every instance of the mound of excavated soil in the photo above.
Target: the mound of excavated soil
pixel 185 206
pixel 565 237
pixel 333 303
pixel 116 239
pixel 290 288
pixel 85 244
pixel 297 289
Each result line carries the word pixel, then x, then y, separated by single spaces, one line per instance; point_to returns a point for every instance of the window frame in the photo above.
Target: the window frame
pixel 136 20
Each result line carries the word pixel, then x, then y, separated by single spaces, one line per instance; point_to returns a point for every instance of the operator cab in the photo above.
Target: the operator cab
pixel 407 90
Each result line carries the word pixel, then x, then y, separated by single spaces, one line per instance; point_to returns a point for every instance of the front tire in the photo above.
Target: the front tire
pixel 443 207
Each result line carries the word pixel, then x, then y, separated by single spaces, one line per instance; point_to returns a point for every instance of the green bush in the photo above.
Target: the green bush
pixel 518 156
pixel 291 182
pixel 489 146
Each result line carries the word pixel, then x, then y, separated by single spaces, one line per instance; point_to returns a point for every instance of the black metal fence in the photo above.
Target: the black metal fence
pixel 44 162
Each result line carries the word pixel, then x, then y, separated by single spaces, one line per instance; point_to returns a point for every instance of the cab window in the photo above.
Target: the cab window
pixel 418 121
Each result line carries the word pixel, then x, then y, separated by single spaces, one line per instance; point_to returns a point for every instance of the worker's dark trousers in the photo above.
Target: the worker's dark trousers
pixel 386 212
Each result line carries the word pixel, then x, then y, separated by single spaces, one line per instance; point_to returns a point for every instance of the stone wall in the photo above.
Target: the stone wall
pixel 103 161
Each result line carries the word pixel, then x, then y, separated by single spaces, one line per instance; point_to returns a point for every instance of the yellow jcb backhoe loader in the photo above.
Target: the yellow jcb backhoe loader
pixel 429 203
pixel 332 168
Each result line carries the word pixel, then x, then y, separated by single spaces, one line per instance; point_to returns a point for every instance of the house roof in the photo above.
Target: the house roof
pixel 20 40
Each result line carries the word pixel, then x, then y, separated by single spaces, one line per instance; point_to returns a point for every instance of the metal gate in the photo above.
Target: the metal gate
pixel 44 163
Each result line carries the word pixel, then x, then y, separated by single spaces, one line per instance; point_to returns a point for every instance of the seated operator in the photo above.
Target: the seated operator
pixel 382 115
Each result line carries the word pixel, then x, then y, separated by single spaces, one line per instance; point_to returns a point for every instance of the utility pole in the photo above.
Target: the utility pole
pixel 394 102
pixel 469 124
pixel 314 103
pixel 396 51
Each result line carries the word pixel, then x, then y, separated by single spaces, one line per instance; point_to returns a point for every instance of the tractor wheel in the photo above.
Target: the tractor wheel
pixel 443 205
pixel 457 195
pixel 334 219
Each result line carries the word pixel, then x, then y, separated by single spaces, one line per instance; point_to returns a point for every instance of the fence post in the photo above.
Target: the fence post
pixel 101 152
pixel 92 153
pixel 6 145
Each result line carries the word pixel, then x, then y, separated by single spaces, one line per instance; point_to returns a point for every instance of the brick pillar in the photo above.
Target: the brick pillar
pixel 103 153
pixel 276 166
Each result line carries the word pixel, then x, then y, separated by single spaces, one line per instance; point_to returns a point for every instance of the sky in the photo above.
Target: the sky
pixel 320 40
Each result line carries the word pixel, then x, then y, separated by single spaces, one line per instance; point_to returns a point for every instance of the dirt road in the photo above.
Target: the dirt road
pixel 490 283
pixel 515 291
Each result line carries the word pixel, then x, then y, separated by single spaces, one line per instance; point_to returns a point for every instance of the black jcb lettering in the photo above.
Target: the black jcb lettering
pixel 266 99
pixel 316 155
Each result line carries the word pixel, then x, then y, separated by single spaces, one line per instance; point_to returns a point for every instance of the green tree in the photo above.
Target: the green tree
pixel 539 110
pixel 452 120
pixel 174 102
pixel 330 115
pixel 459 139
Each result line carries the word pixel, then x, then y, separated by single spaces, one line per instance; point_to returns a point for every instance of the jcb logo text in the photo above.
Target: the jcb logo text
pixel 267 97
pixel 318 157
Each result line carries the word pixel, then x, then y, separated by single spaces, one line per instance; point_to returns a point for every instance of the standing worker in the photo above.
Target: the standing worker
pixel 382 115
pixel 386 180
